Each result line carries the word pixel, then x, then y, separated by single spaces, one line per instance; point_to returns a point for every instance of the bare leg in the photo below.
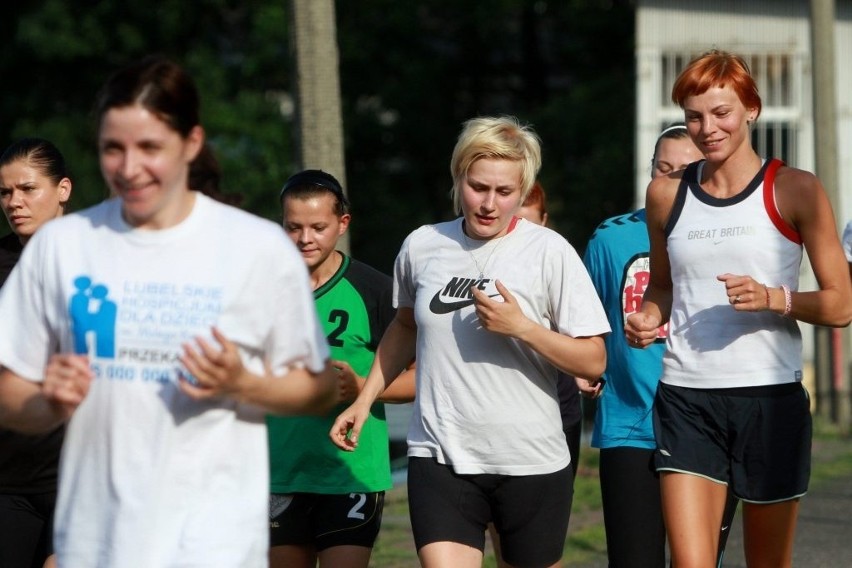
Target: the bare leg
pixel 346 556
pixel 449 555
pixel 291 556
pixel 768 532
pixel 692 509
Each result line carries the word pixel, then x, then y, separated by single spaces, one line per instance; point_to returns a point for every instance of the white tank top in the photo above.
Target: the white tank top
pixel 710 345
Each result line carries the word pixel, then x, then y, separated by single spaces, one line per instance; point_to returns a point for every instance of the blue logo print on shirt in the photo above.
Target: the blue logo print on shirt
pixel 92 313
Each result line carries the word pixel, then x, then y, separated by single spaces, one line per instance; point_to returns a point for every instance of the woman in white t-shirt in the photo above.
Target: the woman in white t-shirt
pixel 493 306
pixel 165 431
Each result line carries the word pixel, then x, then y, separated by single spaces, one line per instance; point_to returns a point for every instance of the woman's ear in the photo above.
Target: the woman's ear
pixel 194 142
pixel 64 189
pixel 344 223
pixel 751 116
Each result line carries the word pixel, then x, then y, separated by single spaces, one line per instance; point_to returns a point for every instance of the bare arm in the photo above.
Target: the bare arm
pixel 580 356
pixel 641 327
pixel 219 372
pixel 399 391
pixel 395 352
pixel 300 391
pixel 804 206
pixel 33 407
pixel 402 388
pixel 802 200
pixel 23 407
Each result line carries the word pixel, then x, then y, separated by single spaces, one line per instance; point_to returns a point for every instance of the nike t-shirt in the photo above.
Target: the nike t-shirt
pixel 487 403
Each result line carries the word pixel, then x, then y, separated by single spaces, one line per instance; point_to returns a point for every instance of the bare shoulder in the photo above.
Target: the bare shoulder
pixel 660 197
pixel 797 191
pixel 794 181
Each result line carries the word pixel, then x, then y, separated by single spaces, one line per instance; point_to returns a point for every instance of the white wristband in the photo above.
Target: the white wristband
pixel 788 300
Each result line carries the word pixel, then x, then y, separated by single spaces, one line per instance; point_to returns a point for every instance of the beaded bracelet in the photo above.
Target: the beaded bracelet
pixel 788 300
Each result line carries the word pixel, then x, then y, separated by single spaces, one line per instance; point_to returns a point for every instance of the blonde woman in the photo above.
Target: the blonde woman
pixel 493 306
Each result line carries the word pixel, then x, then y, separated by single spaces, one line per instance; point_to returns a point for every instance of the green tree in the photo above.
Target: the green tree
pixel 411 73
pixel 58 54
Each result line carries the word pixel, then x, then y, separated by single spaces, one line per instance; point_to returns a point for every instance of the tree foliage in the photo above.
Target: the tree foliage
pixel 411 73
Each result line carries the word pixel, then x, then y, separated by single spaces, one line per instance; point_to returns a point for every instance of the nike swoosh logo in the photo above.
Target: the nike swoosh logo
pixel 438 306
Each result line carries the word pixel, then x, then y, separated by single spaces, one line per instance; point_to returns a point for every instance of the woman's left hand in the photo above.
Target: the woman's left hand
pixel 500 316
pixel 744 293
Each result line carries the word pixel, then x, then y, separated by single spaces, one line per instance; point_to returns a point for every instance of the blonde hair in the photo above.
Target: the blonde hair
pixel 501 137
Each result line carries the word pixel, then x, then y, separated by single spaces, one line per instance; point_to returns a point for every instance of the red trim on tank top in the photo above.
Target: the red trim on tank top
pixel 772 207
pixel 512 224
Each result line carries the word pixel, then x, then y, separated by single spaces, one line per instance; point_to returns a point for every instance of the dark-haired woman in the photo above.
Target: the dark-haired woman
pixel 34 188
pixel 163 326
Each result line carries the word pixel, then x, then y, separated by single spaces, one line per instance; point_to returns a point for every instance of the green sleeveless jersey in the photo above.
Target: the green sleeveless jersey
pixel 354 307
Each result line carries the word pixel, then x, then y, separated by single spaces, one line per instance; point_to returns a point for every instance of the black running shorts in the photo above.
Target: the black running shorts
pixel 325 520
pixel 755 439
pixel 530 512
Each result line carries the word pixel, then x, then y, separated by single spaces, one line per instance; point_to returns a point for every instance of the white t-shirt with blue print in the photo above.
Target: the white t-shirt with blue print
pixel 148 476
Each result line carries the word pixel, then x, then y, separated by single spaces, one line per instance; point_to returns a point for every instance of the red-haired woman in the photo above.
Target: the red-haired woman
pixel 727 237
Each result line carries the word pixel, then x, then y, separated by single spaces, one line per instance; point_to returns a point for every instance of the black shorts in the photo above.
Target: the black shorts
pixel 324 521
pixel 26 528
pixel 530 512
pixel 755 439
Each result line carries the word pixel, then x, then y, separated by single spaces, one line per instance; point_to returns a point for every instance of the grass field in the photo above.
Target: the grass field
pixel 586 543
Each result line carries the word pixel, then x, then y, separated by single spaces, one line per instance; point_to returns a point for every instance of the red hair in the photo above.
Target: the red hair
pixel 717 69
pixel 536 198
